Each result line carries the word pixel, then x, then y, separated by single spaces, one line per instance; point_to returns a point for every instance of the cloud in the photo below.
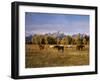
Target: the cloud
pixel 71 27
pixel 48 23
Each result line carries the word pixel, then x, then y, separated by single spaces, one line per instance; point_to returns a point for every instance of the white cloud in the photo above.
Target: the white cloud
pixel 71 27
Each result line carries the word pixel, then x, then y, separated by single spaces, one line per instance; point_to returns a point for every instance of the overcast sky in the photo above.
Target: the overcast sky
pixel 41 23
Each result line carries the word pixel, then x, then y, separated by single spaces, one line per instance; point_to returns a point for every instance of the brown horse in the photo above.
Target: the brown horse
pixel 80 47
pixel 59 48
pixel 41 47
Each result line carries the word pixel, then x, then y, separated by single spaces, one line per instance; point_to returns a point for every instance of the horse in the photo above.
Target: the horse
pixel 59 47
pixel 51 46
pixel 69 46
pixel 41 47
pixel 80 47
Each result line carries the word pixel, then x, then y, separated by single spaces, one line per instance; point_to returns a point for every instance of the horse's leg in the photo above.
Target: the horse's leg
pixel 58 49
pixel 81 47
pixel 62 49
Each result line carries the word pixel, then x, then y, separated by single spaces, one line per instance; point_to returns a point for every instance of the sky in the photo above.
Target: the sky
pixel 42 23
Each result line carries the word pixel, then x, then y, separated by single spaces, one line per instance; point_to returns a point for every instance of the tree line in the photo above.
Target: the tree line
pixel 67 40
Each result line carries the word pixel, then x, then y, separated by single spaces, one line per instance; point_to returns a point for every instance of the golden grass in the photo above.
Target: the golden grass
pixel 50 57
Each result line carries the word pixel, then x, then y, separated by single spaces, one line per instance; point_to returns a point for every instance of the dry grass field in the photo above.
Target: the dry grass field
pixel 50 57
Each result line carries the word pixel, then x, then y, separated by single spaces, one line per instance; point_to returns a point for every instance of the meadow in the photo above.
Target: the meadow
pixel 50 57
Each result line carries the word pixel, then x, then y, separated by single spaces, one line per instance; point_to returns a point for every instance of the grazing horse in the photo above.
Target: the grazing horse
pixel 80 47
pixel 41 47
pixel 69 46
pixel 59 47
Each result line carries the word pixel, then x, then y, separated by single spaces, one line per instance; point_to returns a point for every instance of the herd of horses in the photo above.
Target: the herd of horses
pixel 61 47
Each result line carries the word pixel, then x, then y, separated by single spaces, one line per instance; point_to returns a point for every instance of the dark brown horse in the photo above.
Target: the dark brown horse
pixel 80 47
pixel 59 48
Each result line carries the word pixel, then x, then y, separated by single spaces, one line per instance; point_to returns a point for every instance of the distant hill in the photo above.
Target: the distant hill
pixel 56 34
pixel 82 35
pixel 28 39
